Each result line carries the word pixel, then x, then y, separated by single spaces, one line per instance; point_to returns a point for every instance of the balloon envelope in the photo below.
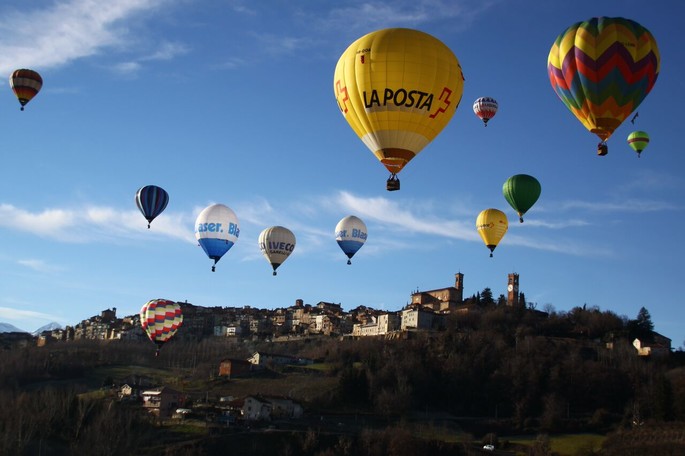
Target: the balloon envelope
pixel 350 233
pixel 276 244
pixel 397 88
pixel 602 69
pixel 216 230
pixel 492 224
pixel 485 108
pixel 521 191
pixel 25 84
pixel 151 201
pixel 638 140
pixel 160 319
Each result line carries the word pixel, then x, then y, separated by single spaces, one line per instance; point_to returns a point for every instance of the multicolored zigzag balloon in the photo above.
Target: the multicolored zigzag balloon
pixel 602 69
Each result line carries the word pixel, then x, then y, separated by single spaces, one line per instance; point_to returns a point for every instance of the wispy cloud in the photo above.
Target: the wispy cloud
pixel 92 223
pixel 167 51
pixel 126 68
pixel 417 221
pixel 406 219
pixel 367 16
pixel 555 225
pixel 649 179
pixel 279 45
pixel 391 213
pixel 232 63
pixel 65 31
pixel 39 265
pixel 627 205
pixel 243 7
pixel 14 314
pixel 558 245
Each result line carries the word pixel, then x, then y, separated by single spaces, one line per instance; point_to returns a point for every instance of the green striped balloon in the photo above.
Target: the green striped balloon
pixel 521 191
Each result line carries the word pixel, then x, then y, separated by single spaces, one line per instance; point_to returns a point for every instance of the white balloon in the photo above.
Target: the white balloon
pixel 276 244
pixel 350 233
pixel 216 230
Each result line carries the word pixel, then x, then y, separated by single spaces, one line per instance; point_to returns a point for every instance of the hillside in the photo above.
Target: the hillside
pixel 499 373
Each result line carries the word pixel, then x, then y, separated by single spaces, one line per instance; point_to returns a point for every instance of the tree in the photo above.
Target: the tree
pixel 644 320
pixel 642 326
pixel 486 299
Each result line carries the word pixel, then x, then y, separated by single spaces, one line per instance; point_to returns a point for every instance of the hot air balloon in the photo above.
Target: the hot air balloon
pixel 492 224
pixel 350 232
pixel 160 319
pixel 485 108
pixel 276 244
pixel 521 191
pixel 602 69
pixel 638 140
pixel 216 230
pixel 397 88
pixel 25 84
pixel 151 200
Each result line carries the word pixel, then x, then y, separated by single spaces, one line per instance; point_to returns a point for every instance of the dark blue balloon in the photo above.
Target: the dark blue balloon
pixel 151 200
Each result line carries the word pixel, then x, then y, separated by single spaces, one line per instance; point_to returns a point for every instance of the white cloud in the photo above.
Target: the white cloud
pixel 390 213
pixel 93 223
pixel 556 225
pixel 403 218
pixel 367 15
pixel 127 68
pixel 240 6
pixel 167 51
pixel 627 205
pixel 68 30
pixel 232 63
pixel 415 220
pixel 38 265
pixel 13 314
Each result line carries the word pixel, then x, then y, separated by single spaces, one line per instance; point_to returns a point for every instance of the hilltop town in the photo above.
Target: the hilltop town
pixel 428 310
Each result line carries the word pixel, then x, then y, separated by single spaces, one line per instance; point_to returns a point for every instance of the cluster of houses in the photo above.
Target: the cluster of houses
pixel 165 402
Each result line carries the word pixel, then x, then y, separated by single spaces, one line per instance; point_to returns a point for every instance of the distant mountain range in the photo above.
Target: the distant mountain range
pixel 6 327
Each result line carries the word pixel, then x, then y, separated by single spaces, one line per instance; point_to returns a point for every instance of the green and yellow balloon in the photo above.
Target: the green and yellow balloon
pixel 638 140
pixel 521 191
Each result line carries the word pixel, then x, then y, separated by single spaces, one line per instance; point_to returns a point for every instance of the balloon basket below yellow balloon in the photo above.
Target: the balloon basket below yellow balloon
pixel 393 183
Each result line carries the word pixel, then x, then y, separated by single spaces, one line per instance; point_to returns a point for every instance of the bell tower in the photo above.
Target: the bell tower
pixel 459 285
pixel 513 290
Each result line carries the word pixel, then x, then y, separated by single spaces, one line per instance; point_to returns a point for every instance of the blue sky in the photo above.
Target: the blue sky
pixel 232 102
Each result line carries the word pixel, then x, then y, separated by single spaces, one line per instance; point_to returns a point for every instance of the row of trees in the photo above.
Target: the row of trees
pixel 538 371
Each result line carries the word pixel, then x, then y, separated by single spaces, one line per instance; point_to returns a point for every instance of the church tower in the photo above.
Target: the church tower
pixel 513 290
pixel 459 285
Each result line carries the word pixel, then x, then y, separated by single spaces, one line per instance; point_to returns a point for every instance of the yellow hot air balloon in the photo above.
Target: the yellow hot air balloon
pixel 397 88
pixel 492 224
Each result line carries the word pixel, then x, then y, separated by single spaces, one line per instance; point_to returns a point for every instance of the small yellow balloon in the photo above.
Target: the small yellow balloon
pixel 398 88
pixel 492 224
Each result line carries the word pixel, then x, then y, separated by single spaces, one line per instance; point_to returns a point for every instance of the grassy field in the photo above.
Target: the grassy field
pixel 303 385
pixel 565 444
